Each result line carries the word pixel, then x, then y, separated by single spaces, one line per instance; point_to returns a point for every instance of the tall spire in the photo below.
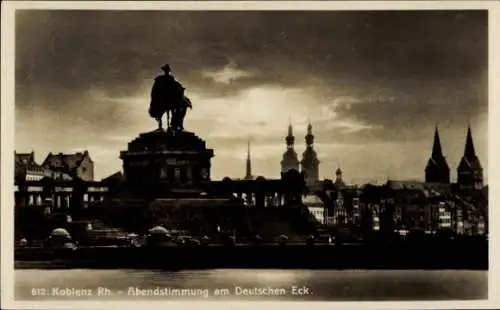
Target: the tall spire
pixel 248 174
pixel 470 152
pixel 339 182
pixel 437 169
pixel 338 172
pixel 437 151
pixel 469 170
pixel 310 162
pixel 289 160
pixel 309 136
pixel 290 139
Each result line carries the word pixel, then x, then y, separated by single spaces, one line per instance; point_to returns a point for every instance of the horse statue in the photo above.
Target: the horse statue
pixel 174 110
pixel 168 97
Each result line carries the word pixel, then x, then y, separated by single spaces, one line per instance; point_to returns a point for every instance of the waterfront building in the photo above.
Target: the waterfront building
pixel 356 211
pixel 316 207
pixel 445 220
pixel 27 169
pixel 481 225
pixel 340 212
pixel 434 207
pixel 78 165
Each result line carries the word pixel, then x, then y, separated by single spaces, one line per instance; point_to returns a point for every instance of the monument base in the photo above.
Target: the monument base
pixel 177 159
pixel 166 177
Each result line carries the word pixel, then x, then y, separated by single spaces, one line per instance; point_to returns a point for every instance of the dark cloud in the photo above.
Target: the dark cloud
pixel 405 114
pixel 123 48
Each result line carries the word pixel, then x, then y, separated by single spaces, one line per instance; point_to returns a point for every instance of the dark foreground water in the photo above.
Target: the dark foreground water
pixel 319 285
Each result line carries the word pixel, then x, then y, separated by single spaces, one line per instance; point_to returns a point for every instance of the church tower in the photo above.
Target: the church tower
pixel 470 171
pixel 289 160
pixel 437 169
pixel 248 172
pixel 310 162
pixel 339 182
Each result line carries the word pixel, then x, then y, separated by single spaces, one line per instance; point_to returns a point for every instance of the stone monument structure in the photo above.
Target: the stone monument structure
pixel 172 157
pixel 167 173
pixel 166 180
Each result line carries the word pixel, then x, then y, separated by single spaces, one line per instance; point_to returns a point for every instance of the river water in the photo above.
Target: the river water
pixel 239 284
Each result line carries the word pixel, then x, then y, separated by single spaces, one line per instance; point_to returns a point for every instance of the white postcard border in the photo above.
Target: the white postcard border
pixel 8 126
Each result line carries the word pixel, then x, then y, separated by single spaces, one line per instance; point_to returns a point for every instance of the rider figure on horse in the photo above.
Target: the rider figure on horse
pixel 167 95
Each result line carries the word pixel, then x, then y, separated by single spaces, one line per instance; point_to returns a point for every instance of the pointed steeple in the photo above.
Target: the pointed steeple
pixel 470 152
pixel 289 160
pixel 469 170
pixel 248 174
pixel 338 173
pixel 339 182
pixel 437 169
pixel 310 162
pixel 309 137
pixel 290 139
pixel 437 151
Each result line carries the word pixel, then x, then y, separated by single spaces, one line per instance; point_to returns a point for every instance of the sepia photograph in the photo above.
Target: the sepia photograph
pixel 231 153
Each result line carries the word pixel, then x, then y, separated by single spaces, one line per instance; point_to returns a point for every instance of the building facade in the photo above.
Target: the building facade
pixel 316 207
pixel 27 169
pixel 75 165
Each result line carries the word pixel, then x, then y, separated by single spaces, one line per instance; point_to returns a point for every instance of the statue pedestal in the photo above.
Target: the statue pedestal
pixel 171 158
pixel 166 179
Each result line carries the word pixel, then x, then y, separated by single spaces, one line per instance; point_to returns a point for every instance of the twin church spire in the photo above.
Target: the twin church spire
pixel 470 152
pixel 436 146
pixel 469 171
pixel 437 169
pixel 309 164
pixel 290 159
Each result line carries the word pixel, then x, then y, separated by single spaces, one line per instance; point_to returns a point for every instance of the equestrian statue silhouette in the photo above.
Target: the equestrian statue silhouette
pixel 168 97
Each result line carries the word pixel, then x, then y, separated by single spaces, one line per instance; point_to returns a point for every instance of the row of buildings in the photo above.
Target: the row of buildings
pixel 401 205
pixel 55 166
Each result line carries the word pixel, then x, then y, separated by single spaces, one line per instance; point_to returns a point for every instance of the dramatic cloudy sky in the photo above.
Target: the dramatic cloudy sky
pixel 373 84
